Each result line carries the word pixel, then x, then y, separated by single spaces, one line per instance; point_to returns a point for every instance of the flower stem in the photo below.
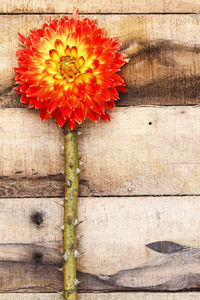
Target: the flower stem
pixel 70 213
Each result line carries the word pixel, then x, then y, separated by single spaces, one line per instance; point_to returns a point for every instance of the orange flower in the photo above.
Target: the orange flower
pixel 68 70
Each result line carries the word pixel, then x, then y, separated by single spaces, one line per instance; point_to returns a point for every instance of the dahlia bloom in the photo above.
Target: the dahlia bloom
pixel 67 69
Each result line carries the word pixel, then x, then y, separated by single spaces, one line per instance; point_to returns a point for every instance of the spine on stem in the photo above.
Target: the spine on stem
pixel 70 213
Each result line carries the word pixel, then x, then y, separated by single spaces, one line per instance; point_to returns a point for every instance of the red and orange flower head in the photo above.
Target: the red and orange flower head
pixel 68 70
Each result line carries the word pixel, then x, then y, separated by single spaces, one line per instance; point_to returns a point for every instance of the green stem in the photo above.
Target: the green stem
pixel 70 213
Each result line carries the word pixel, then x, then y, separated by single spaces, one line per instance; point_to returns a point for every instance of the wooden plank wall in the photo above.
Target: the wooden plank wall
pixel 139 203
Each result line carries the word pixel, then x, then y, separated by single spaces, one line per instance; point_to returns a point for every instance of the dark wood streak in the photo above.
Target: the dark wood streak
pixel 175 271
pixel 24 253
pixel 39 186
pixel 7 90
pixel 9 98
pixel 166 247
pixel 51 185
pixel 181 91
pixel 34 272
pixel 177 85
pixel 156 46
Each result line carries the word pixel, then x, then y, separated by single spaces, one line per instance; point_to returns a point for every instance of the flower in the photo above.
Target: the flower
pixel 67 69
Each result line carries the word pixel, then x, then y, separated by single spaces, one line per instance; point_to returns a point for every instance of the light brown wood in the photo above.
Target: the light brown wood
pixel 142 151
pixel 106 296
pixel 145 243
pixel 164 52
pixel 89 6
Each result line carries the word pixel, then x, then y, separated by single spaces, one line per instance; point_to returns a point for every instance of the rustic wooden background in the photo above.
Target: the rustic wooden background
pixel 140 178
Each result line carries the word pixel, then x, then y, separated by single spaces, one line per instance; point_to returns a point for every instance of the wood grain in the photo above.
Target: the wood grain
pixel 89 6
pixel 139 243
pixel 164 52
pixel 142 151
pixel 105 296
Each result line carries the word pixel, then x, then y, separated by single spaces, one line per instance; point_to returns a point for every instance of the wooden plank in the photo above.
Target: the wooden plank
pixel 138 243
pixel 89 6
pixel 106 296
pixel 142 151
pixel 164 52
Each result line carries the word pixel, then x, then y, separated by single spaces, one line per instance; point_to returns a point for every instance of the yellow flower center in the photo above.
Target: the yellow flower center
pixel 69 66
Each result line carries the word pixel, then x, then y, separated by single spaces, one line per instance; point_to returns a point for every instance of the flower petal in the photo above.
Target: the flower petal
pixel 53 53
pixel 22 38
pixel 59 47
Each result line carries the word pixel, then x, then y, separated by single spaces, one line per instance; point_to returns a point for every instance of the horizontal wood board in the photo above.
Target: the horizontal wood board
pixel 139 243
pixel 106 296
pixel 89 6
pixel 164 52
pixel 142 151
pixel 160 236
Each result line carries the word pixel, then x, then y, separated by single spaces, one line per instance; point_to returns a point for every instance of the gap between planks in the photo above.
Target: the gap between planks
pixel 98 14
pixel 107 196
pixel 106 296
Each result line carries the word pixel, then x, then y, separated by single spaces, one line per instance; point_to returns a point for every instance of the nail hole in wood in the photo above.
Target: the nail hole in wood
pixel 37 257
pixel 150 123
pixel 60 265
pixel 37 218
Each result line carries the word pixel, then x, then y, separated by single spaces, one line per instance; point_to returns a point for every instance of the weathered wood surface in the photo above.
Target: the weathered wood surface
pixel 90 6
pixel 142 151
pixel 139 243
pixel 164 52
pixel 106 296
pixel 128 244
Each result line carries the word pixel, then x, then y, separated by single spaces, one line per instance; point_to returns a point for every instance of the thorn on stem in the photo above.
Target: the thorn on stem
pixel 69 183
pixel 60 228
pixel 66 198
pixel 62 147
pixel 78 170
pixel 76 253
pixel 65 256
pixel 77 282
pixel 75 222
